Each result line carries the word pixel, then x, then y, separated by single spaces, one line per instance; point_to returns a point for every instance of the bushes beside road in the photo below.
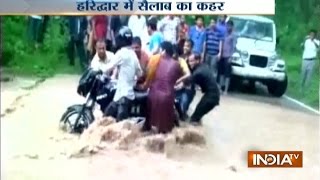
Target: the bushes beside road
pixel 20 56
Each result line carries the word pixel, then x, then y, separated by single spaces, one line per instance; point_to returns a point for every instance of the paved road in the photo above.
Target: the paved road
pixel 261 94
pixel 30 141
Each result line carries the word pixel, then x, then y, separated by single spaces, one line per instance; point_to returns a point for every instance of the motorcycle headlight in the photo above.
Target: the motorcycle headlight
pixel 244 54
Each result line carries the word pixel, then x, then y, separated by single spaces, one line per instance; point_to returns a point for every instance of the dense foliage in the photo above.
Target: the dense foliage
pixel 293 18
pixel 21 55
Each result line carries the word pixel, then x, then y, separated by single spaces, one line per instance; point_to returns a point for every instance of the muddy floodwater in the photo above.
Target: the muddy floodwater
pixel 33 148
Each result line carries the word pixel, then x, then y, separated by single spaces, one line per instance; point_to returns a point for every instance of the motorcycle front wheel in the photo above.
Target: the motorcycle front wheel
pixel 68 120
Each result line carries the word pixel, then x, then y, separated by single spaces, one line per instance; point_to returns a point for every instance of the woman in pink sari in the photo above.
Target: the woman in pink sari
pixel 162 93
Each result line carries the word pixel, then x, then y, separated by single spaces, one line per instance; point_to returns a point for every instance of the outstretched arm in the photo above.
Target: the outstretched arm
pixel 116 61
pixel 185 69
pixel 114 74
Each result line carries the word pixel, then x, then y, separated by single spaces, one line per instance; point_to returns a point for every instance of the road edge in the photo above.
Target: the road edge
pixel 17 99
pixel 303 105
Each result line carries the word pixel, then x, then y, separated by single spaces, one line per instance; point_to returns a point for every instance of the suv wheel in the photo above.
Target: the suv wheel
pixel 278 88
pixel 235 83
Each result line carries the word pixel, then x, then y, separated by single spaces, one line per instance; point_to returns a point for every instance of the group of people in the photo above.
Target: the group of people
pixel 215 43
pixel 166 57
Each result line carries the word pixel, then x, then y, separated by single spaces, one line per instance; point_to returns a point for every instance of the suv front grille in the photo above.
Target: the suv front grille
pixel 258 61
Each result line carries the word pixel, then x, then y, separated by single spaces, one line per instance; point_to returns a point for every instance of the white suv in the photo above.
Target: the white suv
pixel 256 58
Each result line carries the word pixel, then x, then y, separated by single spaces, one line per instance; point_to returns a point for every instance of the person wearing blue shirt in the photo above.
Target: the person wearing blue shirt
pixel 222 25
pixel 197 35
pixel 213 48
pixel 156 38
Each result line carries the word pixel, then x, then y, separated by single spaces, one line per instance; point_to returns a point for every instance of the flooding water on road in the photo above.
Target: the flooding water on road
pixel 32 147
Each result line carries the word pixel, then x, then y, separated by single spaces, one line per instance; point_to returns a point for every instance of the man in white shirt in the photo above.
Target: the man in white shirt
pixel 311 48
pixel 169 27
pixel 138 26
pixel 129 70
pixel 102 58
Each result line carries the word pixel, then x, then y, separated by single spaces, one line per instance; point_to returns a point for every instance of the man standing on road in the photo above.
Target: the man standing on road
pixel 197 35
pixel 311 47
pixel 169 26
pixel 77 28
pixel 113 28
pixel 44 28
pixel 229 47
pixel 156 38
pixel 222 25
pixel 137 24
pixel 212 48
pixel 202 76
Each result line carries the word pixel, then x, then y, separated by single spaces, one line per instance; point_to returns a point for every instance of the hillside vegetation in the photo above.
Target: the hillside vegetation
pixel 293 19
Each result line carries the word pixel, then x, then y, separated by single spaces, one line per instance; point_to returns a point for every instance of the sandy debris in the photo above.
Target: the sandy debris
pixel 106 134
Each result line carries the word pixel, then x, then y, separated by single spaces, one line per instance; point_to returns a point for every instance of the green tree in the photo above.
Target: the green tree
pixel 0 39
pixel 19 54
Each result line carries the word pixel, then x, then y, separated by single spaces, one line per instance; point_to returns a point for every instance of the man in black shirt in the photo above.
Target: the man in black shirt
pixel 202 76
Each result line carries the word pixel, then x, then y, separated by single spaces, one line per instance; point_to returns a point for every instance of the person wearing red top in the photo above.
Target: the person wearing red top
pixel 99 24
pixel 99 30
pixel 184 28
pixel 183 32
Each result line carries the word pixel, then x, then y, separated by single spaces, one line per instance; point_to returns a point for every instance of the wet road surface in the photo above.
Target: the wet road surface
pixel 260 94
pixel 240 123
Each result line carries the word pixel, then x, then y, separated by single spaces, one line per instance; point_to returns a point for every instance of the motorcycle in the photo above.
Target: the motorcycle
pixel 100 89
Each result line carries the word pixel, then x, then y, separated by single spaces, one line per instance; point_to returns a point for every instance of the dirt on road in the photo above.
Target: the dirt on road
pixel 32 147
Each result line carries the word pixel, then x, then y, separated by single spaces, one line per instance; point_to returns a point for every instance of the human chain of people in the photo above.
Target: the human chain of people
pixel 145 5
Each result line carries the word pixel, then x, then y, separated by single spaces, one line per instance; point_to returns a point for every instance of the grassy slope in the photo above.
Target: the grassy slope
pixel 311 95
pixel 44 65
pixel 20 56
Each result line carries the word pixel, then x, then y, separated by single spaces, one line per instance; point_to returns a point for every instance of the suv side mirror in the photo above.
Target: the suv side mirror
pixel 278 41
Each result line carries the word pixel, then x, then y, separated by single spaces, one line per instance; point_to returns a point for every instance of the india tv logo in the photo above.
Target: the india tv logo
pixel 275 159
